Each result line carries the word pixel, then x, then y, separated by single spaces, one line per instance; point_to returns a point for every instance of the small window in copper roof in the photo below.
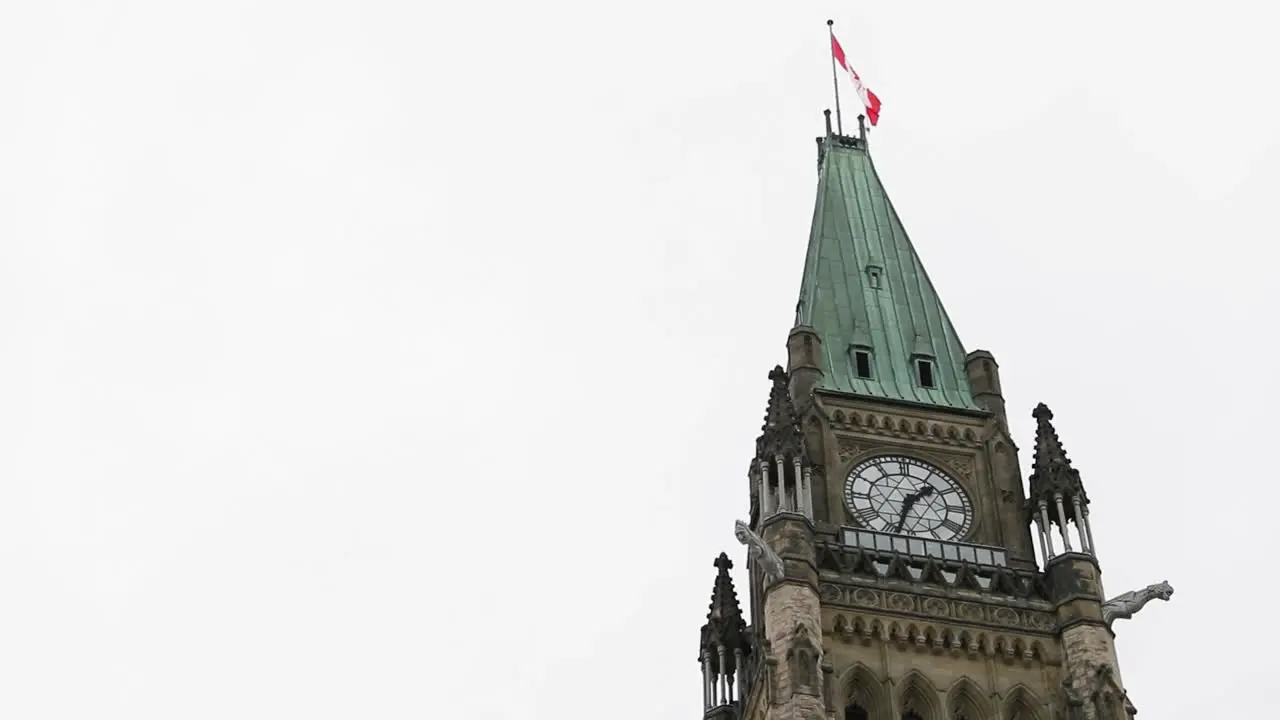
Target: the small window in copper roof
pixel 862 363
pixel 924 372
pixel 874 272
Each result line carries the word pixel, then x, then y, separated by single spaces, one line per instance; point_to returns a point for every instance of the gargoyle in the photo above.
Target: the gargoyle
pixel 1125 606
pixel 759 551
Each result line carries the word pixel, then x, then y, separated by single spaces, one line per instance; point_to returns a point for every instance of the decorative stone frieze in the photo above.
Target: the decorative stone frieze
pixel 994 614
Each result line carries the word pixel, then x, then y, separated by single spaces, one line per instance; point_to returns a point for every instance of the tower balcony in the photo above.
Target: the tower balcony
pixel 889 544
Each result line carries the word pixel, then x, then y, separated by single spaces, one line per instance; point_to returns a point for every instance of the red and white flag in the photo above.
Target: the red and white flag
pixel 869 99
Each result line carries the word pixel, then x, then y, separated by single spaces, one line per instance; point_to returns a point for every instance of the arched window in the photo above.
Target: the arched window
pixel 1021 706
pixel 965 701
pixel 864 696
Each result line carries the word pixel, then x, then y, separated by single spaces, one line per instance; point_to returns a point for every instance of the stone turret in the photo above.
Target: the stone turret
pixel 984 380
pixel 804 363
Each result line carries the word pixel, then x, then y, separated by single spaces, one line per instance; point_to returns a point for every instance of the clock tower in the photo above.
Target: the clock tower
pixel 892 541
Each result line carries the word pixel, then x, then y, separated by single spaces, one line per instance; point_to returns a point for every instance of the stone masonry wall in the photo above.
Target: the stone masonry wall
pixel 1086 648
pixel 787 606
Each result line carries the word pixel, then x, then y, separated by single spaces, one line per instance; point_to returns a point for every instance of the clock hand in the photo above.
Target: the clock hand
pixel 910 501
pixel 907 502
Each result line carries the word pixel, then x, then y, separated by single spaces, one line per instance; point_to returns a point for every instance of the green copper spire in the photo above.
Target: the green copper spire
pixel 865 293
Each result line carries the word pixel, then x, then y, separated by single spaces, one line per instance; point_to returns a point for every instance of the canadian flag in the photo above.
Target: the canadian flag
pixel 869 99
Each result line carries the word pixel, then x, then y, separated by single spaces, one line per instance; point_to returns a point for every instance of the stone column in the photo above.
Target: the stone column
pixel 1044 547
pixel 1062 523
pixel 766 498
pixel 806 493
pixel 1046 530
pixel 707 693
pixel 782 485
pixel 1085 544
pixel 797 480
pixel 1088 531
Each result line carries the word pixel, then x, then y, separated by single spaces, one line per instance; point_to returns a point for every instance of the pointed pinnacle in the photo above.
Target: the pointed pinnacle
pixel 723 563
pixel 1048 447
pixel 778 375
pixel 1051 471
pixel 780 434
pixel 724 619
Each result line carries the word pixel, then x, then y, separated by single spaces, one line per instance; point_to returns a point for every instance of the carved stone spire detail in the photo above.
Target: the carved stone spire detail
pixel 781 472
pixel 1057 494
pixel 725 646
pixel 725 624
pixel 1052 474
pixel 781 432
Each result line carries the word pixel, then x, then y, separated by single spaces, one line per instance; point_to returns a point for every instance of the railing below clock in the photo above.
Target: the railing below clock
pixel 925 548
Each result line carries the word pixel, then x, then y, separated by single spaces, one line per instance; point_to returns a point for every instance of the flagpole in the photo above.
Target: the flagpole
pixel 835 83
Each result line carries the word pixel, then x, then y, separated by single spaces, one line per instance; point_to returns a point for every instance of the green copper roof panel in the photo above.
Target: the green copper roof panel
pixel 865 288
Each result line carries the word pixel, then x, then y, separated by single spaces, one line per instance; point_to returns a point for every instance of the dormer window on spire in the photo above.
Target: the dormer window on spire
pixel 873 276
pixel 861 362
pixel 924 371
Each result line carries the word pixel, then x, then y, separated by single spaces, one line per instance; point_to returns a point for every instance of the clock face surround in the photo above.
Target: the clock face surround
pixel 897 494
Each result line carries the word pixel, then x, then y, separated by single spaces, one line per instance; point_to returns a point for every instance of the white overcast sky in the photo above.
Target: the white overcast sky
pixel 404 359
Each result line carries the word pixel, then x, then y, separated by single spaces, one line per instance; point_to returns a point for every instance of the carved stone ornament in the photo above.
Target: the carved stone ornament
pixel 803 658
pixel 1005 616
pixel 900 602
pixel 1073 699
pixel 866 598
pixel 936 606
pixel 848 447
pixel 759 551
pixel 962 467
pixel 1126 605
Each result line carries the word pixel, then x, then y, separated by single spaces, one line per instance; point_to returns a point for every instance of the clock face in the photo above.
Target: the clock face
pixel 903 495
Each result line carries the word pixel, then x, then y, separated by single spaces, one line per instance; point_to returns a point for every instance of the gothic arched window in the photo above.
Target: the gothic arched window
pixel 855 712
